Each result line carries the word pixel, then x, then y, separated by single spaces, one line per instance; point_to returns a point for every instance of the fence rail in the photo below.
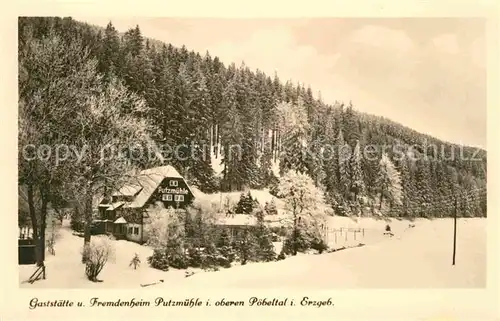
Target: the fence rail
pixel 344 236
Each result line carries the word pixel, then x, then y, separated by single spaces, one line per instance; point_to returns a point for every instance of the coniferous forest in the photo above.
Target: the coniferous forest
pixel 194 100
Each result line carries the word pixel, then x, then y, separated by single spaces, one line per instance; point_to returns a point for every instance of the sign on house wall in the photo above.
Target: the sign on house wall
pixel 176 191
pixel 173 193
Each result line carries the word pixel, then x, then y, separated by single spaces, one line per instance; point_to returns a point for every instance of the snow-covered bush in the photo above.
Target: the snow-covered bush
pixel 299 241
pixel 270 208
pixel 176 257
pixel 158 260
pixel 209 258
pixel 212 258
pixel 194 257
pixel 318 244
pixel 210 255
pixel 98 252
pixel 304 240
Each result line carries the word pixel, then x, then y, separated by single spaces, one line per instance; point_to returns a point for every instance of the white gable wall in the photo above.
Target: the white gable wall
pixel 134 232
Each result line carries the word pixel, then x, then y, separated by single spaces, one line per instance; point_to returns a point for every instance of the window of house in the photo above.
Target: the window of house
pixel 174 183
pixel 167 197
pixel 179 198
pixel 130 230
pixel 136 230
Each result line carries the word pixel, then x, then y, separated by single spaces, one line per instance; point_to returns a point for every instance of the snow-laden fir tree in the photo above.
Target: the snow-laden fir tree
pixel 246 246
pixel 245 204
pixel 330 162
pixel 351 127
pixel 294 126
pixel 232 139
pixel 389 182
pixel 270 207
pixel 407 186
pixel 357 184
pixel 110 52
pixel 195 118
pixel 342 155
pixel 423 187
pixel 265 165
pixel 265 248
pixel 314 161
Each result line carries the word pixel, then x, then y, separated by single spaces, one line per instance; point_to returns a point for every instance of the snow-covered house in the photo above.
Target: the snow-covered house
pixel 123 215
pixel 235 224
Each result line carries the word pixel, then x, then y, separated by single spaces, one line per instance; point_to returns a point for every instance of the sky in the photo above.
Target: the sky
pixel 425 73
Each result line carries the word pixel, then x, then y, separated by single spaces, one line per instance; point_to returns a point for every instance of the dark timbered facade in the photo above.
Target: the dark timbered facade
pixel 123 214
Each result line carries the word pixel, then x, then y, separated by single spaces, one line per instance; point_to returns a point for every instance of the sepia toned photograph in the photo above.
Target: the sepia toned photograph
pixel 318 153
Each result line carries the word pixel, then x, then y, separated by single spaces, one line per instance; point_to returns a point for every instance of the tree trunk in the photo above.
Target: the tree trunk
pixel 380 204
pixel 295 249
pixel 43 226
pixel 34 223
pixel 88 224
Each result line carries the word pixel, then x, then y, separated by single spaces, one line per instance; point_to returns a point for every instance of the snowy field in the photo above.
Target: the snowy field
pixel 418 257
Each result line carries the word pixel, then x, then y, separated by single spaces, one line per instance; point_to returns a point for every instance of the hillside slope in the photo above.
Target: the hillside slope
pixel 196 100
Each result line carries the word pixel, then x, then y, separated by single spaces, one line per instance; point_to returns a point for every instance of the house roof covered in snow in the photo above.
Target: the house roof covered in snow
pixel 143 185
pixel 128 190
pixel 246 219
pixel 114 206
pixel 120 220
pixel 237 220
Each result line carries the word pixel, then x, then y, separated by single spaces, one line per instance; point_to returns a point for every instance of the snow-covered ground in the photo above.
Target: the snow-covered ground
pixel 420 257
pixel 416 257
